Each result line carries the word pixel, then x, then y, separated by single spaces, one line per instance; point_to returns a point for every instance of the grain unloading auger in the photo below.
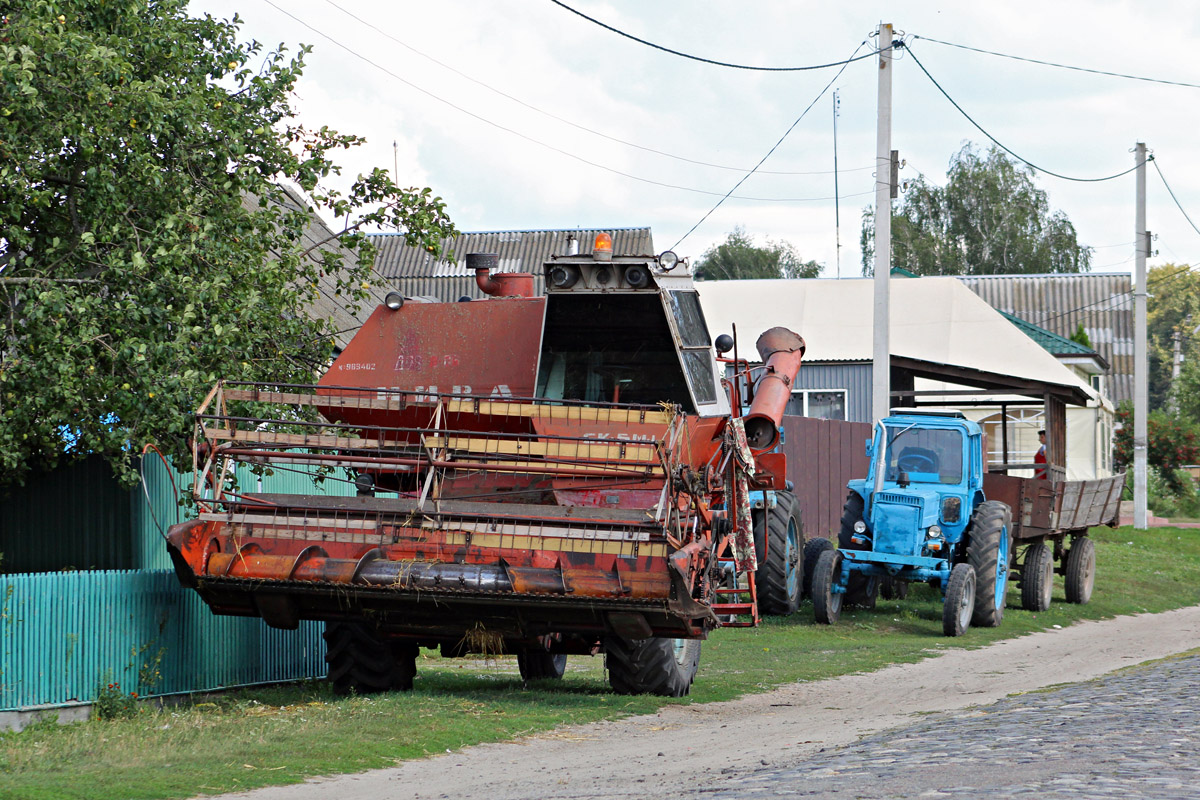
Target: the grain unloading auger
pixel 540 476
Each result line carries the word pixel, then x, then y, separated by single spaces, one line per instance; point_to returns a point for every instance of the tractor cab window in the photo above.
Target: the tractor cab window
pixel 610 348
pixel 925 455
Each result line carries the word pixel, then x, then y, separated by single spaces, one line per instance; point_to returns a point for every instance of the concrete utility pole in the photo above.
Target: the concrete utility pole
pixel 881 370
pixel 1141 393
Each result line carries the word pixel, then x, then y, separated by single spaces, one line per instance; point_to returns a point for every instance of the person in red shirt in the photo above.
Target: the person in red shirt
pixel 1040 458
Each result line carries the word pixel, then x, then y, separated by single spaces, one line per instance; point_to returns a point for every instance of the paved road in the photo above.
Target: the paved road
pixel 1134 734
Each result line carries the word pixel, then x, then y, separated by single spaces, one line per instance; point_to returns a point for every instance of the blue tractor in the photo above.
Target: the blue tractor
pixel 920 515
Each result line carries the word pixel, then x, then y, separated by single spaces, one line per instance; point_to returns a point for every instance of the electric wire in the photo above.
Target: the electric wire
pixel 701 59
pixel 1061 66
pixel 1004 147
pixel 566 121
pixel 774 147
pixel 1178 205
pixel 540 143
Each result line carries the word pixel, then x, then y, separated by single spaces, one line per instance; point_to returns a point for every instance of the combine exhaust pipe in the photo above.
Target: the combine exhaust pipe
pixel 503 284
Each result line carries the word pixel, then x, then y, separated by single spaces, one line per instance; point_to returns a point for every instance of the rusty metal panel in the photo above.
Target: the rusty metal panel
pixel 823 455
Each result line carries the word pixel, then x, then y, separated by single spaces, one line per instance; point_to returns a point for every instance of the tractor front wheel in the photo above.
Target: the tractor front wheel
pixel 663 667
pixel 812 552
pixel 988 546
pixel 959 604
pixel 779 545
pixel 1081 570
pixel 827 603
pixel 1037 577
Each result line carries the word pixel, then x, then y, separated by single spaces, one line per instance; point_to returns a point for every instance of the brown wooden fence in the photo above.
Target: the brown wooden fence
pixel 822 455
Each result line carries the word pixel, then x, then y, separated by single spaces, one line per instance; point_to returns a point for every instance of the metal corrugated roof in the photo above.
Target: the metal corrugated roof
pixel 1103 302
pixel 418 273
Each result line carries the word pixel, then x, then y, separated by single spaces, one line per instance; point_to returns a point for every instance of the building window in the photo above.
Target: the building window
pixel 818 403
pixel 1023 444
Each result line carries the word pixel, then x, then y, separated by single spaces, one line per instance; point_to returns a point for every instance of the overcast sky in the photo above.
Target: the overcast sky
pixel 475 147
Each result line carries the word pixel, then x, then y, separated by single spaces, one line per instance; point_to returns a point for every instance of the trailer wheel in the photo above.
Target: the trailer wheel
pixel 988 547
pixel 891 588
pixel 663 667
pixel 780 574
pixel 827 604
pixel 812 551
pixel 862 589
pixel 541 665
pixel 959 605
pixel 1037 577
pixel 1081 570
pixel 363 662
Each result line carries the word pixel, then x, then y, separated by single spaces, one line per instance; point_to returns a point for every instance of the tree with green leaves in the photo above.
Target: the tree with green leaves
pixel 738 258
pixel 989 219
pixel 1173 306
pixel 146 244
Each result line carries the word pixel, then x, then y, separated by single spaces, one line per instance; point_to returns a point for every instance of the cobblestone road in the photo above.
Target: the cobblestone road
pixel 1135 734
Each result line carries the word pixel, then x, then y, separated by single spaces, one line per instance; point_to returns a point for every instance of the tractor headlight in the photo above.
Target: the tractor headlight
pixel 934 532
pixel 860 527
pixel 951 509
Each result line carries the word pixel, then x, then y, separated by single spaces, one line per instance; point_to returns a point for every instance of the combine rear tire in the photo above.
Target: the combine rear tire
pixel 362 662
pixel 959 604
pixel 827 604
pixel 862 590
pixel 663 667
pixel 780 574
pixel 812 552
pixel 1037 577
pixel 1081 570
pixel 989 544
pixel 541 665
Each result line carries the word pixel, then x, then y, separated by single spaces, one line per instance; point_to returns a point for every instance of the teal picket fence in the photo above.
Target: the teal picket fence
pixel 65 634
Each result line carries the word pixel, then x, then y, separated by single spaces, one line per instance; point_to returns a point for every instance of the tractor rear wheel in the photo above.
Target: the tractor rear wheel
pixel 363 662
pixel 780 574
pixel 827 604
pixel 663 667
pixel 812 551
pixel 1037 577
pixel 1081 570
pixel 989 543
pixel 862 589
pixel 959 605
pixel 536 665
pixel 891 588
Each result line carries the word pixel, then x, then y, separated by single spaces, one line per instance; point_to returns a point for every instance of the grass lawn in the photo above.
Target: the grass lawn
pixel 283 734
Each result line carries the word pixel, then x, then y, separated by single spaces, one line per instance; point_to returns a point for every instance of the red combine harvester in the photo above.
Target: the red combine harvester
pixel 539 476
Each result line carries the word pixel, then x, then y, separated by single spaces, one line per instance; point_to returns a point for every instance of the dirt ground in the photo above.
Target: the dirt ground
pixel 704 746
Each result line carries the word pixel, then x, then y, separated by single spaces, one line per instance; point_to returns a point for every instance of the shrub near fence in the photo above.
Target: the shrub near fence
pixel 66 635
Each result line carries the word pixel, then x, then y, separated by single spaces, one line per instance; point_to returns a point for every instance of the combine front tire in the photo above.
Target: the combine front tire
pixel 663 667
pixel 1037 577
pixel 812 552
pixel 780 574
pixel 1081 570
pixel 827 603
pixel 988 548
pixel 959 604
pixel 362 662
pixel 862 589
pixel 541 665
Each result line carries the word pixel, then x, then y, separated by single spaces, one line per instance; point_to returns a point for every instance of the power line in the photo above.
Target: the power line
pixel 564 120
pixel 1178 205
pixel 773 147
pixel 540 143
pixel 701 59
pixel 1003 147
pixel 1061 66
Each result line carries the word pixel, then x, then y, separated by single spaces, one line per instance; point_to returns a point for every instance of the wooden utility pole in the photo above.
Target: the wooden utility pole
pixel 1141 392
pixel 881 370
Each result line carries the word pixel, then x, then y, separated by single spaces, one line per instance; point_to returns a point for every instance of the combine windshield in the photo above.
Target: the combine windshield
pixel 925 455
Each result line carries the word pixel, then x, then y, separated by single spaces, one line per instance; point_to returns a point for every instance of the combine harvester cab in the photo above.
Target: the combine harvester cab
pixel 538 476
